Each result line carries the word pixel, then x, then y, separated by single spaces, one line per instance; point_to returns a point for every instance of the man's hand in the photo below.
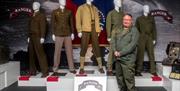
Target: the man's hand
pixel 80 35
pixel 53 37
pixel 72 36
pixel 117 54
pixel 109 39
pixel 42 40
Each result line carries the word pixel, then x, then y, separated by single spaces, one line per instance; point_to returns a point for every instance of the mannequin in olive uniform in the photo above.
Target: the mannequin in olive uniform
pixel 87 24
pixel 62 23
pixel 35 40
pixel 146 26
pixel 114 18
pixel 124 42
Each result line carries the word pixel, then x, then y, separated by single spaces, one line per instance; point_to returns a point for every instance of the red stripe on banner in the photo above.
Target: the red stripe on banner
pixel 24 78
pixel 52 79
pixel 156 78
pixel 103 37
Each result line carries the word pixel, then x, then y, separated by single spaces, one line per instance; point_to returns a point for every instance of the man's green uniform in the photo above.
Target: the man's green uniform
pixel 113 19
pixel 125 42
pixel 147 29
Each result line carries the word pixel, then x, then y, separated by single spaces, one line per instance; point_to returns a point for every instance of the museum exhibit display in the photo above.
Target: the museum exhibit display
pixel 89 45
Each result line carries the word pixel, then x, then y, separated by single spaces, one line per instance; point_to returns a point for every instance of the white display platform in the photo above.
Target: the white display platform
pixel 145 80
pixel 171 84
pixel 8 73
pixel 163 70
pixel 32 81
pixel 168 84
pixel 66 83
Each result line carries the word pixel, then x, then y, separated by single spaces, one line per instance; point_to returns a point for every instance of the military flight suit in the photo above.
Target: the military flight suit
pixel 87 22
pixel 125 42
pixel 147 29
pixel 62 23
pixel 113 19
pixel 36 32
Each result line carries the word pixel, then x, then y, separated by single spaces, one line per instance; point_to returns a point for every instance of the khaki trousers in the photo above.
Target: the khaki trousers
pixel 68 48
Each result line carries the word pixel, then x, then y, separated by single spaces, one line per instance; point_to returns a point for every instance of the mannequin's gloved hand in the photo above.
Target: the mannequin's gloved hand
pixel 154 42
pixel 28 39
pixel 80 35
pixel 72 36
pixel 53 37
pixel 98 34
pixel 109 39
pixel 42 40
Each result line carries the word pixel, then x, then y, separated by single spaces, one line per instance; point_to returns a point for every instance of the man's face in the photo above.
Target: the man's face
pixel 127 21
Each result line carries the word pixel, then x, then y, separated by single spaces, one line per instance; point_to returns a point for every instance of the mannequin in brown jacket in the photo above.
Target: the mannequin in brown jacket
pixel 35 40
pixel 62 24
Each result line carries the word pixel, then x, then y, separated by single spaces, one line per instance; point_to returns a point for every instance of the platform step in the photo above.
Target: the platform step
pixel 68 79
pixel 8 73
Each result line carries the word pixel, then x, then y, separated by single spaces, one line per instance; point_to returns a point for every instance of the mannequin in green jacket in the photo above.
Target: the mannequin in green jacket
pixel 114 19
pixel 147 29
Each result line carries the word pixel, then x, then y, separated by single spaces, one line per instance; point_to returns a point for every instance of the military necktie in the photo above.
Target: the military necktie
pixel 91 11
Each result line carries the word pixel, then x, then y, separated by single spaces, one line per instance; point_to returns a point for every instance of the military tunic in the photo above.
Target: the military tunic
pixel 125 42
pixel 36 32
pixel 113 20
pixel 62 22
pixel 147 29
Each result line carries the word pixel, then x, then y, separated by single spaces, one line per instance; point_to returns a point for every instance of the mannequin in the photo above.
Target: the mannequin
pixel 62 24
pixel 146 13
pixel 35 7
pixel 147 28
pixel 87 24
pixel 114 19
pixel 35 40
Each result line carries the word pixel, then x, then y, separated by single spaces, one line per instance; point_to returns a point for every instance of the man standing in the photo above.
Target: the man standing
pixel 124 42
pixel 88 27
pixel 35 40
pixel 147 39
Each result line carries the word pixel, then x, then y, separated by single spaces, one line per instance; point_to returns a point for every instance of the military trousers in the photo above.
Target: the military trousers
pixel 110 59
pixel 36 52
pixel 125 71
pixel 86 36
pixel 68 48
pixel 145 43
